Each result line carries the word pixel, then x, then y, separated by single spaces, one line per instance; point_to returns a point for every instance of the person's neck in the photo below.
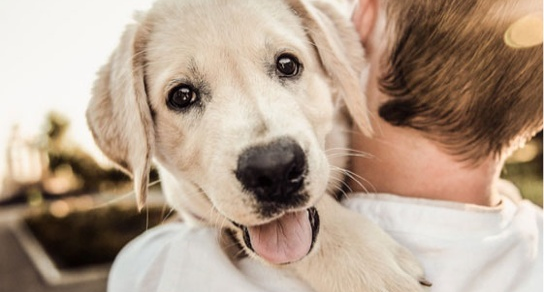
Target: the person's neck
pixel 402 162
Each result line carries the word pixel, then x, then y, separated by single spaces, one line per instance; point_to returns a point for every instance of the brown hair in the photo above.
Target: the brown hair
pixel 452 77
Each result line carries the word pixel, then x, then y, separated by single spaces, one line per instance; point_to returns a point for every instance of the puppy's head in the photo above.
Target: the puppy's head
pixel 234 100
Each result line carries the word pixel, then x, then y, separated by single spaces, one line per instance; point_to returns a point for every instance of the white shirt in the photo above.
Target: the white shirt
pixel 463 248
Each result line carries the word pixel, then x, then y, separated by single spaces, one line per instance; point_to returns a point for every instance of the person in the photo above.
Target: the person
pixel 454 87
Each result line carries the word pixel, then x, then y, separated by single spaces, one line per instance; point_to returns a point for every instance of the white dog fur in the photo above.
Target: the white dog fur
pixel 227 52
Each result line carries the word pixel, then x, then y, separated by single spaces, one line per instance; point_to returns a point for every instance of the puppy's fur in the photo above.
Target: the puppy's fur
pixel 239 107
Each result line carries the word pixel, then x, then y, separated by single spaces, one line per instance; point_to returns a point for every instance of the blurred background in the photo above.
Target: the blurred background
pixel 62 206
pixel 68 196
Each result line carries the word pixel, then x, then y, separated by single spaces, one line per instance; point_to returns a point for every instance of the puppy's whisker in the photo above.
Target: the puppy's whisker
pixel 342 194
pixel 223 222
pixel 359 155
pixel 163 211
pixel 154 183
pixel 212 214
pixel 340 181
pixel 365 189
pixel 346 152
pixel 232 245
pixel 215 218
pixel 165 217
pixel 146 217
pixel 122 197
pixel 352 131
pixel 241 252
pixel 356 178
pixel 339 186
pixel 346 149
pixel 114 200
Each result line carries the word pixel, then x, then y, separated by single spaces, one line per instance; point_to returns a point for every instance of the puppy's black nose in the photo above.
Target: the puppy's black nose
pixel 273 172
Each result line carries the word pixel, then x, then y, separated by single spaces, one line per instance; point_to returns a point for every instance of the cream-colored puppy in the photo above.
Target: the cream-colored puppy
pixel 235 101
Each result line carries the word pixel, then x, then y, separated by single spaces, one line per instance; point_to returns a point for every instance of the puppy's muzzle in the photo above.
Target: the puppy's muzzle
pixel 273 173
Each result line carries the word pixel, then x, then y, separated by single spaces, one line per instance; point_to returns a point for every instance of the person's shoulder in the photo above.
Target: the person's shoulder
pixel 531 207
pixel 524 207
pixel 509 191
pixel 530 233
pixel 531 211
pixel 156 236
pixel 139 257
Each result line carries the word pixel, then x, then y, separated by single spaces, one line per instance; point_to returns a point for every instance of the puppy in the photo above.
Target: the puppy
pixel 235 101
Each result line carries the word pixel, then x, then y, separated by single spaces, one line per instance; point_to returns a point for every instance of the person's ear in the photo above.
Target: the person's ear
pixel 364 18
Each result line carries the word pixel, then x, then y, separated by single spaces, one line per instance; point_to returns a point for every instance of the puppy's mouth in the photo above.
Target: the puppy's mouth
pixel 284 240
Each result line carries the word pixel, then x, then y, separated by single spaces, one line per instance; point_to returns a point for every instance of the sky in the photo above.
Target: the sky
pixel 50 52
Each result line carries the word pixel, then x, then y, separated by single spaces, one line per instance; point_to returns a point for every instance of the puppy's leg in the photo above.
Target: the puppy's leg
pixel 353 254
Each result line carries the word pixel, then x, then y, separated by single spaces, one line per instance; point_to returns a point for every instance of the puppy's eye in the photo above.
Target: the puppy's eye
pixel 287 65
pixel 182 96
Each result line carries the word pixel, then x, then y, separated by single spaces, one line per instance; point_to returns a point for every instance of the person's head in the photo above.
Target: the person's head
pixel 466 74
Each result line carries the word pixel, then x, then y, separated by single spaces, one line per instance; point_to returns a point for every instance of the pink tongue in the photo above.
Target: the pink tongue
pixel 284 240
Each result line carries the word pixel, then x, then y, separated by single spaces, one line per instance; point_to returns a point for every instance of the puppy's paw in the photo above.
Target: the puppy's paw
pixel 354 254
pixel 401 271
pixel 412 268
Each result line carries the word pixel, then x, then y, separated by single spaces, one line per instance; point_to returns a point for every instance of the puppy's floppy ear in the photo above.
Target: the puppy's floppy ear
pixel 341 53
pixel 118 113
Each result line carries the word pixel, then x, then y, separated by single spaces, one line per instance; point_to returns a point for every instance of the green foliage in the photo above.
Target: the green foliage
pixel 524 169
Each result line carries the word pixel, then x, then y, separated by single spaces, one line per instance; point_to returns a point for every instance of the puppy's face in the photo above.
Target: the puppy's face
pixel 241 107
pixel 234 100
